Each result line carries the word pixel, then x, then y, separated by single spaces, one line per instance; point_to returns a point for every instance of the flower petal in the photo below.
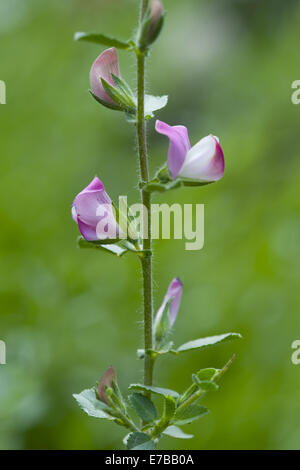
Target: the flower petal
pixel 105 65
pixel 93 211
pixel 174 292
pixel 179 145
pixel 205 161
pixel 87 231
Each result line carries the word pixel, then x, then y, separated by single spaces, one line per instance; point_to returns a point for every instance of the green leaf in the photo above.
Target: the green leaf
pixel 154 103
pixel 106 103
pixel 207 374
pixel 123 86
pixel 157 390
pixel 206 385
pixel 112 248
pixel 102 39
pixel 144 407
pixel 160 187
pixel 89 403
pixel 203 343
pixel 169 408
pixel 162 350
pixel 139 441
pixel 187 182
pixel 162 327
pixel 189 414
pixel 119 97
pixel 125 439
pixel 175 431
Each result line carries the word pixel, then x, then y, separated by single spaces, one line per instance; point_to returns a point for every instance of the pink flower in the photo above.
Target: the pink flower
pixel 106 381
pixel 104 66
pixel 174 293
pixel 203 162
pixel 92 210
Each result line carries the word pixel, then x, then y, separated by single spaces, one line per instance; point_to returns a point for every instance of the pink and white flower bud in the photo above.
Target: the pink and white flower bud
pixel 156 12
pixel 104 66
pixel 93 211
pixel 174 293
pixel 152 24
pixel 106 381
pixel 204 162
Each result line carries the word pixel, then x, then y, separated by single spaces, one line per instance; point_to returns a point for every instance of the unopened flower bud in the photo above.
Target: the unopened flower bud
pixel 93 211
pixel 106 381
pixel 152 24
pixel 105 66
pixel 173 296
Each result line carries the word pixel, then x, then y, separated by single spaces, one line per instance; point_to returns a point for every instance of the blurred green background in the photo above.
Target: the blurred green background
pixel 66 314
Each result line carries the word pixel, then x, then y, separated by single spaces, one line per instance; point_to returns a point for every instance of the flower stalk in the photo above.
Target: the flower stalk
pixel 146 201
pixel 105 227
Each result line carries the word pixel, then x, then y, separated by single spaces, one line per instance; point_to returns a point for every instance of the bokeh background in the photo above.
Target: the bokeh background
pixel 67 314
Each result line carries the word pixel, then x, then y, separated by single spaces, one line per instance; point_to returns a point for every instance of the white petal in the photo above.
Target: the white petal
pixel 198 160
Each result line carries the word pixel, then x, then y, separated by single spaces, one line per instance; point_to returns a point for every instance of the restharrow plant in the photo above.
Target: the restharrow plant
pixel 103 228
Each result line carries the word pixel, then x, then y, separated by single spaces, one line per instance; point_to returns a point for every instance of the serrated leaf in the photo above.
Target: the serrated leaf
pixel 143 406
pixel 157 390
pixel 190 414
pixel 175 431
pixel 139 441
pixel 203 343
pixel 91 405
pixel 102 39
pixel 154 103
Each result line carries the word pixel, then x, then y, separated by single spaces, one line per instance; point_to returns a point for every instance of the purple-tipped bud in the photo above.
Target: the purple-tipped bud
pixel 106 381
pixel 92 210
pixel 174 292
pixel 104 66
pixel 203 162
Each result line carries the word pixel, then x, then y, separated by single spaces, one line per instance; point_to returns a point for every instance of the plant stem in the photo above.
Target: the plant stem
pixel 146 201
pixel 199 393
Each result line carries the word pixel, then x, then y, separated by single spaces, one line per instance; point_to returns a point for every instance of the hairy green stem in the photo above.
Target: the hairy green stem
pixel 146 201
